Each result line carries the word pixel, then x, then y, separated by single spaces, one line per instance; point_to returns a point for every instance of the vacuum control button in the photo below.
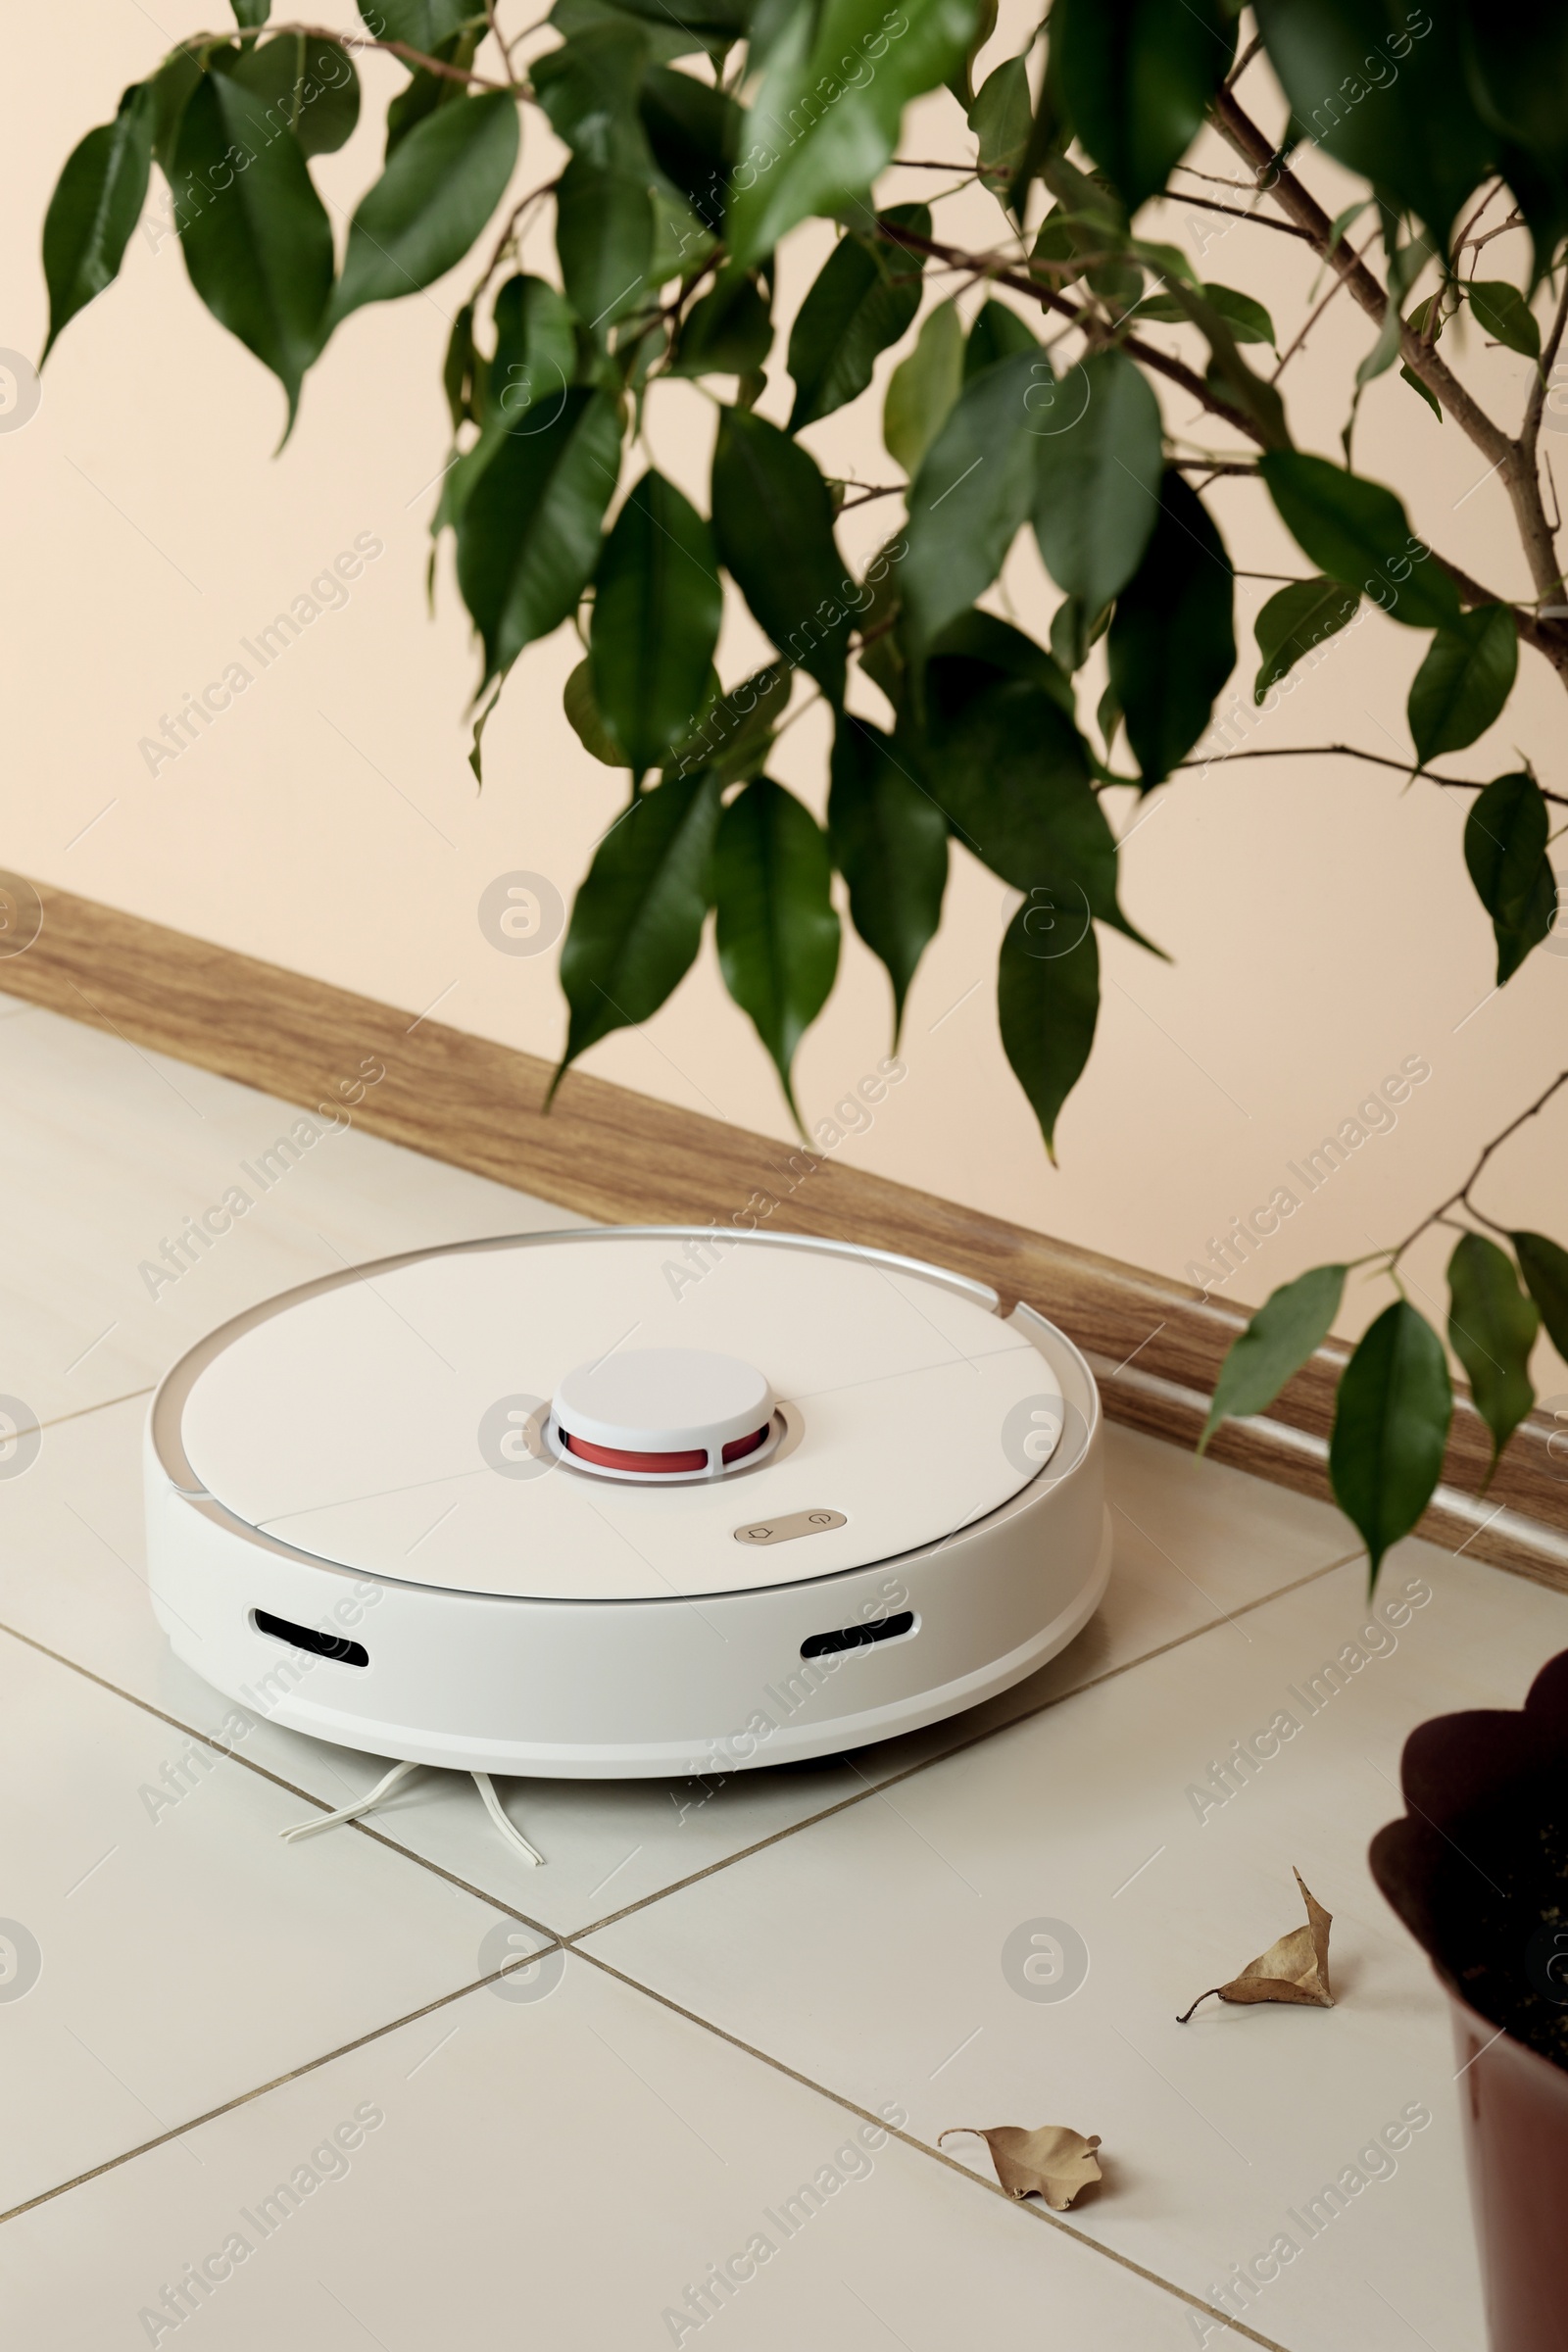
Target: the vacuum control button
pixel 793 1524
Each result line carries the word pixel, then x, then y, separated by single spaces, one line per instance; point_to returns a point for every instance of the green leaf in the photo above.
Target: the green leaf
pixel 94 208
pixel 1505 850
pixel 773 520
pixel 1545 1268
pixel 923 388
pixel 308 85
pixel 529 535
pixel 1503 312
pixel 252 12
pixel 1097 480
pixel 694 132
pixel 589 89
pixel 426 91
pixel 729 333
pixel 1391 1425
pixel 779 936
pixel 1393 110
pixel 1288 1327
pixel 442 184
pixel 637 920
pixel 1359 534
pixel 605 241
pixel 997 333
pixel 256 238
pixel 889 843
pixel 827 112
pixel 1002 119
pixel 735 732
pixel 974 489
pixel 1075 632
pixel 1172 644
pixel 520 387
pixel 1463 682
pixel 588 721
pixel 864 297
pixel 1047 1005
pixel 1517 70
pixel 171 86
pixel 1293 620
pixel 657 610
pixel 711 24
pixel 1492 1327
pixel 1407 375
pixel 1247 320
pixel 1137 76
pixel 421 24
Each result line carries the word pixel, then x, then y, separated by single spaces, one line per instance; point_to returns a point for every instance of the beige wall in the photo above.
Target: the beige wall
pixel 1320 918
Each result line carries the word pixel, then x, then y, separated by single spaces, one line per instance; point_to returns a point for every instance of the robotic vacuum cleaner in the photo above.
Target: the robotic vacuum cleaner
pixel 636 1502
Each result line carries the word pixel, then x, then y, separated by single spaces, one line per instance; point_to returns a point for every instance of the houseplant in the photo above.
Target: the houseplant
pixel 1478 1871
pixel 696 143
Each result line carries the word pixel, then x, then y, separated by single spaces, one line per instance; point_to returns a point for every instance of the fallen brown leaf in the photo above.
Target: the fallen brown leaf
pixel 1053 2163
pixel 1296 1969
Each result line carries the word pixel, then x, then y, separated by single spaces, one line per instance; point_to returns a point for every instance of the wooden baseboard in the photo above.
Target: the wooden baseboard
pixel 628 1159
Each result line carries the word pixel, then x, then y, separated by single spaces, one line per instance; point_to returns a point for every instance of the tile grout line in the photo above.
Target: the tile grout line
pixel 960 1747
pixel 493 1902
pixel 259 2090
pixel 922 2147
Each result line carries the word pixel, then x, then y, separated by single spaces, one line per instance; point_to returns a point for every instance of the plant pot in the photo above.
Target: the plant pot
pixel 1470 1871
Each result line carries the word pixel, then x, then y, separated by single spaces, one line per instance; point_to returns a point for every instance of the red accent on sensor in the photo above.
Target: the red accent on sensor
pixel 609 1457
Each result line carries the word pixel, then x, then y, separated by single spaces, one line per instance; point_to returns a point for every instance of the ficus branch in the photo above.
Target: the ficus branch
pixel 1461 1198
pixel 1348 751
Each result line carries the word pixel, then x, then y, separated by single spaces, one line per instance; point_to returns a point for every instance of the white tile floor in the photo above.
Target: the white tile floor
pixel 227 2034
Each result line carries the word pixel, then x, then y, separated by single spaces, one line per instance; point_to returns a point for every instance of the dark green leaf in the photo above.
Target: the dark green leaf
pixel 589 89
pixel 735 732
pixel 1503 312
pixel 1463 682
pixel 1048 1001
pixel 864 297
pixel 1492 1327
pixel 707 23
pixel 889 843
pixel 923 388
pixel 827 113
pixel 973 491
pixel 1292 1324
pixel 171 86
pixel 779 936
pixel 1506 851
pixel 421 24
pixel 1138 78
pixel 604 240
pixel 978 651
pixel 1075 633
pixel 1247 320
pixel 960 81
pixel 773 520
pixel 1517 60
pixel 729 333
pixel 1408 376
pixel 1545 1268
pixel 1293 620
pixel 529 535
pixel 1391 1425
pixel 997 333
pixel 588 721
pixel 657 610
pixel 694 131
pixel 1172 643
pixel 1359 534
pixel 441 186
pixel 256 238
pixel 1391 108
pixel 637 921
pixel 94 208
pixel 252 12
pixel 308 87
pixel 880 608
pixel 1097 479
pixel 461 369
pixel 1002 119
pixel 428 90
pixel 520 388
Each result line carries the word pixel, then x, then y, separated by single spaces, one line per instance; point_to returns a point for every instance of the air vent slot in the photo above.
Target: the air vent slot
pixel 858 1636
pixel 305 1637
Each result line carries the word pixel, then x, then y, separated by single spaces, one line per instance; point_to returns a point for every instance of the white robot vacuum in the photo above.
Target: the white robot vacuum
pixel 629 1501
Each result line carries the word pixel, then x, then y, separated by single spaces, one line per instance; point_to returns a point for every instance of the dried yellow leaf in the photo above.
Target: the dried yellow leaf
pixel 1053 2163
pixel 1296 1969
